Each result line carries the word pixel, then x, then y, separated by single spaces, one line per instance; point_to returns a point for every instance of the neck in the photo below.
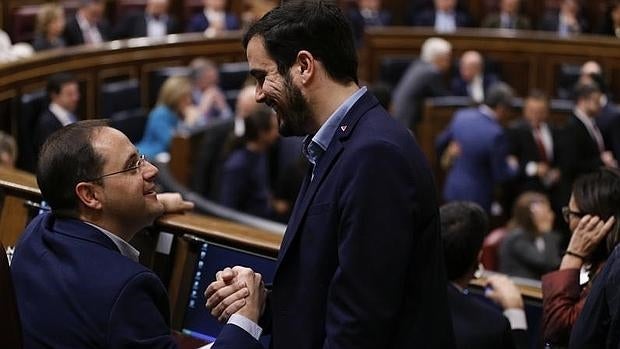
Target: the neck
pixel 325 98
pixel 255 147
pixel 125 233
pixel 463 281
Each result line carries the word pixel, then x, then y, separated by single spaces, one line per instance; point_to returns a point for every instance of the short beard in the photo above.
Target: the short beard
pixel 297 109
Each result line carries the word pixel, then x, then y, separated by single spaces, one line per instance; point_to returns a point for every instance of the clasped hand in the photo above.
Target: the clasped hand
pixel 236 290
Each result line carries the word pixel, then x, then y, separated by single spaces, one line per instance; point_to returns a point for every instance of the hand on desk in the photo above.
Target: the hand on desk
pixel 174 203
pixel 236 290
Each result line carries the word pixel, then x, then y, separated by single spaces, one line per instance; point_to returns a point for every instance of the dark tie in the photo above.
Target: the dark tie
pixel 540 145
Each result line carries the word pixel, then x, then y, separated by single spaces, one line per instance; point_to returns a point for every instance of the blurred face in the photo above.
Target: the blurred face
pixel 128 199
pixel 442 62
pixel 157 7
pixel 94 11
pixel 615 15
pixel 269 137
pixel 68 97
pixel 184 102
pixel 210 77
pixel 373 5
pixel 542 216
pixel 246 104
pixel 445 5
pixel 569 7
pixel 277 91
pixel 215 5
pixel 591 105
pixel 510 6
pixel 470 67
pixel 535 111
pixel 57 25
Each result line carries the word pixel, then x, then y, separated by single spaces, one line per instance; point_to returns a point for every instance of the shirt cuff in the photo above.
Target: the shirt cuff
pixel 531 169
pixel 516 317
pixel 246 324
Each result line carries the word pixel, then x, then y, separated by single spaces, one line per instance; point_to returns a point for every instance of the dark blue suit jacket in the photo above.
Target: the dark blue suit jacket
pixel 200 23
pixel 361 263
pixel 75 290
pixel 458 86
pixel 482 164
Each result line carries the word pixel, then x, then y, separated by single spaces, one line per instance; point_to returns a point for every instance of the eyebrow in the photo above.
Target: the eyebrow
pixel 131 159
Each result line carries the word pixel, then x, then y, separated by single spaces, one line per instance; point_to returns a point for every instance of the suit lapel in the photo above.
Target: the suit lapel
pixel 79 230
pixel 310 187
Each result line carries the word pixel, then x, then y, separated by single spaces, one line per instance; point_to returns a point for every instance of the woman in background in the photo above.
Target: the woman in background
pixel 591 215
pixel 532 248
pixel 175 97
pixel 49 27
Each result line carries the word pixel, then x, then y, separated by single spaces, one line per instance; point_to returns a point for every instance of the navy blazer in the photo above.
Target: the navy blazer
pixel 46 125
pixel 200 23
pixel 585 155
pixel 134 25
pixel 458 86
pixel 482 163
pixel 361 262
pixel 479 325
pixel 75 290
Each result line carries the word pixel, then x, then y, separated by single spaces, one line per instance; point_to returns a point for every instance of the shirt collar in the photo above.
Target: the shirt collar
pixel 585 119
pixel 62 115
pixel 123 246
pixel 316 145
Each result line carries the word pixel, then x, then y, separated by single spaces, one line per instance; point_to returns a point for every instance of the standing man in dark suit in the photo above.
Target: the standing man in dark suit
pixel 585 146
pixel 64 94
pixel 538 147
pixel 445 18
pixel 478 324
pixel 360 264
pixel 77 279
pixel 480 149
pixel 88 26
pixel 214 18
pixel 423 79
pixel 154 22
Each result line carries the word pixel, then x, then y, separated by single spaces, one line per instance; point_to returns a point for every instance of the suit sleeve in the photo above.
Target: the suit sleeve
pixel 563 300
pixel 140 316
pixel 375 242
pixel 501 171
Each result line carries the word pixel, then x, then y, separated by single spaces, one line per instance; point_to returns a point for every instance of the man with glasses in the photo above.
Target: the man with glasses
pixel 77 279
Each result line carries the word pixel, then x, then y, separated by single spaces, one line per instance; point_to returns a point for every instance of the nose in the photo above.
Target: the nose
pixel 149 171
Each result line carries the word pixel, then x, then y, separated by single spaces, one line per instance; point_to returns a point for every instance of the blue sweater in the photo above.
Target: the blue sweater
pixel 159 130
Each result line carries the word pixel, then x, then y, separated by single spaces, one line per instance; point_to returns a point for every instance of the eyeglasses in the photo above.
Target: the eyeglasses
pixel 566 213
pixel 135 166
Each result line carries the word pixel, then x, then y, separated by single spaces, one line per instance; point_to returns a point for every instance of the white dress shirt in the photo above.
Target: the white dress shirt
pixel 64 116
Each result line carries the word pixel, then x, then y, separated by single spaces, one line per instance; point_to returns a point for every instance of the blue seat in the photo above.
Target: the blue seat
pixel 159 76
pixel 31 106
pixel 119 96
pixel 233 75
pixel 131 123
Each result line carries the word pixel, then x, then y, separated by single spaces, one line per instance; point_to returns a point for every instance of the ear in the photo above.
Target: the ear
pixel 89 195
pixel 307 66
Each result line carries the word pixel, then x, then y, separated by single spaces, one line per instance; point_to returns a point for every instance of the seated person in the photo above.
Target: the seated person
pixel 476 323
pixel 153 22
pixel 88 25
pixel 472 80
pixel 597 325
pixel 591 215
pixel 367 13
pixel 508 17
pixel 213 19
pixel 445 18
pixel 209 99
pixel 244 181
pixel 611 25
pixel 566 21
pixel 531 247
pixel 8 150
pixel 77 279
pixel 64 94
pixel 49 27
pixel 174 98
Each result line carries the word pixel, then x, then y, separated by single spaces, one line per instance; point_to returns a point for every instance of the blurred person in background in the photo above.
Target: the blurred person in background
pixel 168 116
pixel 532 247
pixel 591 215
pixel 88 25
pixel 508 17
pixel 567 21
pixel 445 17
pixel 154 22
pixel 208 98
pixel 472 80
pixel 213 19
pixel 49 27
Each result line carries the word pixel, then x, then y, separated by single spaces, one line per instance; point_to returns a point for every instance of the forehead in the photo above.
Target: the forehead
pixel 257 55
pixel 112 145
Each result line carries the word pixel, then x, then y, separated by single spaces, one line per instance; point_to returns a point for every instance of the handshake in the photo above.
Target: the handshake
pixel 236 290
